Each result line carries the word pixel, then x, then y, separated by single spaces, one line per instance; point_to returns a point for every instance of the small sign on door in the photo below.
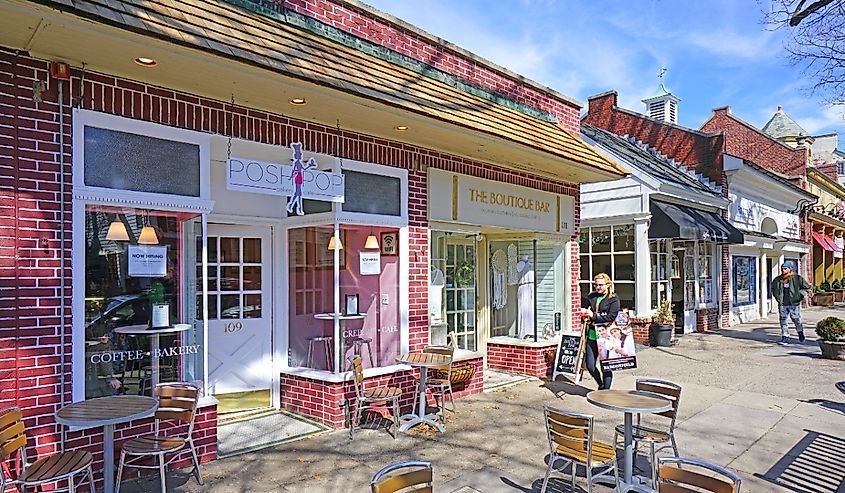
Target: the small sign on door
pixel 370 263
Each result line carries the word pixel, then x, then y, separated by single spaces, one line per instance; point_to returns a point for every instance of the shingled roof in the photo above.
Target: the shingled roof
pixel 781 125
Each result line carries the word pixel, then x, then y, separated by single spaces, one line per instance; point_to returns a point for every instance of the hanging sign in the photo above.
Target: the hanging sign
pixel 147 261
pixel 370 263
pixel 840 243
pixel 299 180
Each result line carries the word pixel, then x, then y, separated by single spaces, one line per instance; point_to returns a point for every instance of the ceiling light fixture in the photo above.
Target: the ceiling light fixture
pixel 371 243
pixel 148 236
pixel 400 128
pixel 298 102
pixel 117 231
pixel 335 243
pixel 146 62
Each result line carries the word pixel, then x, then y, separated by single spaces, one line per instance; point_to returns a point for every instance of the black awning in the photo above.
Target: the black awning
pixel 685 223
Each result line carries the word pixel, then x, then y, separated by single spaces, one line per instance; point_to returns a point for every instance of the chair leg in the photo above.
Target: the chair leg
pixel 163 473
pixel 574 471
pixel 589 479
pixel 197 473
pixel 395 417
pixel 452 398
pixel 71 484
pixel 653 458
pixel 120 466
pixel 548 473
pixel 674 445
pixel 90 474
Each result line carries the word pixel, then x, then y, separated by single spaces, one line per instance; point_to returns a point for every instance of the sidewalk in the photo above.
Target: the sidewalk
pixel 768 412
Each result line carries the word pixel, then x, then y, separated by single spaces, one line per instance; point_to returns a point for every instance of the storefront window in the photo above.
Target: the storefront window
pixel 526 277
pixel 744 280
pixel 609 250
pixel 367 312
pixel 136 277
pixel 660 271
pixel 453 287
pixel 705 272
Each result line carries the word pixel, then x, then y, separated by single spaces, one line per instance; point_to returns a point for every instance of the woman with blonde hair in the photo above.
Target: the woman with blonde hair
pixel 599 309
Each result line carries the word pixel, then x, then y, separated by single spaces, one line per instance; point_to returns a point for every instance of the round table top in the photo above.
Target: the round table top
pixel 423 359
pixel 629 401
pixel 340 316
pixel 841 386
pixel 144 330
pixel 107 410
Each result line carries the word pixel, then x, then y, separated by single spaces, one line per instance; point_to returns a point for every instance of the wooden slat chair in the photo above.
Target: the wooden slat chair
pixel 177 404
pixel 571 440
pixel 695 477
pixel 50 469
pixel 657 437
pixel 416 477
pixel 441 383
pixel 365 397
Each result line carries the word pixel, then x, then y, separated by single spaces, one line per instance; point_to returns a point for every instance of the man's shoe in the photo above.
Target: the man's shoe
pixel 801 336
pixel 784 341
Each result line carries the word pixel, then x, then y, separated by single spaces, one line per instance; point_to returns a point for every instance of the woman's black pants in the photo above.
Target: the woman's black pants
pixel 602 378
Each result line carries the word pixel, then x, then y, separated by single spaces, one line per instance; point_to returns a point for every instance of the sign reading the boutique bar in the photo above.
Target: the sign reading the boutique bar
pixel 299 180
pixel 470 200
pixel 147 261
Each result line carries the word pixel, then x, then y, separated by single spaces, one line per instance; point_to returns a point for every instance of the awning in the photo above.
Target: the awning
pixel 819 238
pixel 685 223
pixel 832 243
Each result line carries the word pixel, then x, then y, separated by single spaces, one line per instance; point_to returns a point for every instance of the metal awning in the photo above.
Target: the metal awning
pixel 686 223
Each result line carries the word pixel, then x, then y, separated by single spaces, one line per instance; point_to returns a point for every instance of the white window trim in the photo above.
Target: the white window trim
pixel 84 196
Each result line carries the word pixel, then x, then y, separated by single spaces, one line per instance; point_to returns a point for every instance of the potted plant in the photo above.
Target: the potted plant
pixel 662 325
pixel 821 296
pixel 838 290
pixel 831 333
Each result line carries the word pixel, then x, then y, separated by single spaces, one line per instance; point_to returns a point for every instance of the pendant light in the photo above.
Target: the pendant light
pixel 372 242
pixel 148 235
pixel 335 243
pixel 117 231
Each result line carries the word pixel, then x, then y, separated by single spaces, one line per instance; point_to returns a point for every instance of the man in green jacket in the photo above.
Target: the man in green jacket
pixel 789 289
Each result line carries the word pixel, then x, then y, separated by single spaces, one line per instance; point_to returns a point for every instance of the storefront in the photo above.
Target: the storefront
pixel 761 207
pixel 827 223
pixel 659 234
pixel 499 282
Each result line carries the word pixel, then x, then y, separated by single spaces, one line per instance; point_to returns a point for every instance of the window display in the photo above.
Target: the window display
pixel 125 285
pixel 454 255
pixel 661 266
pixel 614 258
pixel 744 280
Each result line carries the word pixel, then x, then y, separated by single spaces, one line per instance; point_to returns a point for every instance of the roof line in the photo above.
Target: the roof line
pixel 668 124
pixel 743 122
pixel 780 177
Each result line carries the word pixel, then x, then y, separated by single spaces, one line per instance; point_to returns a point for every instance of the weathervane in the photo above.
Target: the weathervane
pixel 661 73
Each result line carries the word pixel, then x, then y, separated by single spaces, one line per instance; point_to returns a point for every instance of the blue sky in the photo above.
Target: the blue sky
pixel 717 52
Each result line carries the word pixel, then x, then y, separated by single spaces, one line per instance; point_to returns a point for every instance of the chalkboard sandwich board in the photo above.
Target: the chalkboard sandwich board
pixel 569 357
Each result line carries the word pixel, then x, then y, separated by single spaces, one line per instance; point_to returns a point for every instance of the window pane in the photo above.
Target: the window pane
pixel 585 267
pixel 359 196
pixel 230 250
pixel 230 306
pixel 601 264
pixel 625 292
pixel 600 241
pixel 252 305
pixel 623 238
pixel 231 278
pixel 252 277
pixel 623 267
pixel 252 250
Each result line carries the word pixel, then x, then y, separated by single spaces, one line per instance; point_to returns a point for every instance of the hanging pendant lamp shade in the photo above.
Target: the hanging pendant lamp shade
pixel 148 236
pixel 117 231
pixel 335 244
pixel 372 242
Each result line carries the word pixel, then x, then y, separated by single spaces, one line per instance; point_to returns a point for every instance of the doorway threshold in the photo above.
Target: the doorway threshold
pixel 249 431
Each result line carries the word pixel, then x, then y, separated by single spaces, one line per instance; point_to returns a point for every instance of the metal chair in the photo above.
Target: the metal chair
pixel 658 438
pixel 571 440
pixel 328 345
pixel 439 384
pixel 177 403
pixel 696 476
pixel 416 476
pixel 49 469
pixel 365 397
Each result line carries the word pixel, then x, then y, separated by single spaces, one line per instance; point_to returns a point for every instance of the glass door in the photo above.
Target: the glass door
pixel 459 291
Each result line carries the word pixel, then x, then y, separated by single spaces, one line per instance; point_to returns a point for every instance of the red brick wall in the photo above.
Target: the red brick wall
pixel 381 31
pixel 831 170
pixel 322 401
pixel 708 319
pixel 744 141
pixel 519 359
pixel 699 152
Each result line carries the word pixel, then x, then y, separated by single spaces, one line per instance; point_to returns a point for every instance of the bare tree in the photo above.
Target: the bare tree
pixel 815 41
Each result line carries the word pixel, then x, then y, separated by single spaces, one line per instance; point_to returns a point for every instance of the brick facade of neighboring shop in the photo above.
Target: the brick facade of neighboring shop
pixel 525 359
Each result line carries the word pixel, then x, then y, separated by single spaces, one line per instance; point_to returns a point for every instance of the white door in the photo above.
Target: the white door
pixel 240 318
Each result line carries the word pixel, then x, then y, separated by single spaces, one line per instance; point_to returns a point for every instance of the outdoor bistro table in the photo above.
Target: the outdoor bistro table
pixel 153 334
pixel 106 412
pixel 629 402
pixel 423 361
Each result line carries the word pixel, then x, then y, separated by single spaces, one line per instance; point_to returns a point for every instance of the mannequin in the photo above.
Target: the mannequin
pixel 525 298
pixel 435 293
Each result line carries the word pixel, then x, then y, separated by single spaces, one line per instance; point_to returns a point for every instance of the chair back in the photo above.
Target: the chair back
pixel 696 476
pixel 570 433
pixel 358 376
pixel 666 389
pixel 12 432
pixel 177 402
pixel 408 476
pixel 445 351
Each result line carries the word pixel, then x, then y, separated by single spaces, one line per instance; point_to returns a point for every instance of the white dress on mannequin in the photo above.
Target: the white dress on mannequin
pixel 525 298
pixel 435 293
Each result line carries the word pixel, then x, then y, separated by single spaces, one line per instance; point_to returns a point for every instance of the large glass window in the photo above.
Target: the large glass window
pixel 367 312
pixel 136 277
pixel 744 271
pixel 705 272
pixel 526 277
pixel 610 250
pixel 453 286
pixel 661 270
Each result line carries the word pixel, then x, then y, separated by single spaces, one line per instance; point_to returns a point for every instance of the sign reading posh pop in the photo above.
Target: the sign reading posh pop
pixel 299 180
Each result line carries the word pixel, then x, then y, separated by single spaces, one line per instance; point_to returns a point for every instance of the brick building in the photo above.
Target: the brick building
pixel 147 182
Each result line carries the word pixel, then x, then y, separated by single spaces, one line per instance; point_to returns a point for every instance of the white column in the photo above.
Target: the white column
pixel 762 272
pixel 642 261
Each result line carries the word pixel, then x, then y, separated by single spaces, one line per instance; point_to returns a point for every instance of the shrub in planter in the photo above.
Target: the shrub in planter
pixel 825 286
pixel 831 332
pixel 836 284
pixel 821 296
pixel 662 326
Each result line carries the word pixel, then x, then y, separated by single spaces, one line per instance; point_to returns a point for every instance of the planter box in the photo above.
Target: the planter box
pixel 839 294
pixel 823 299
pixel 833 350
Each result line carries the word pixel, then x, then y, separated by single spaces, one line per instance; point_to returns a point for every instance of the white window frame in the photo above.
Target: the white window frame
pixel 588 231
pixel 84 196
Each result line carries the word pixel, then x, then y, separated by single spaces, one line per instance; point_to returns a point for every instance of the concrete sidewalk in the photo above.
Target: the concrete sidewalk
pixel 768 412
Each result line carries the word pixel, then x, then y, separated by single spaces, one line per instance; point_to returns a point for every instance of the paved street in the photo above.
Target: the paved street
pixel 768 412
